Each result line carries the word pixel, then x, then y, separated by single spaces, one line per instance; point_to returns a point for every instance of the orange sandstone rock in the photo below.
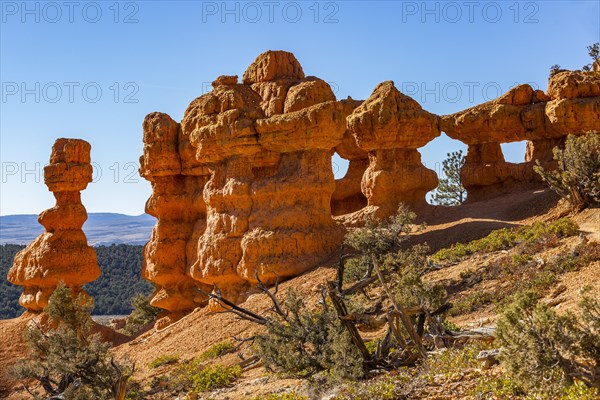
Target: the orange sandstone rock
pixel 61 253
pixel 306 93
pixel 574 84
pixel 271 75
pixel 272 65
pixel 177 203
pixel 268 144
pixel 244 186
pixel 390 126
pixel 522 114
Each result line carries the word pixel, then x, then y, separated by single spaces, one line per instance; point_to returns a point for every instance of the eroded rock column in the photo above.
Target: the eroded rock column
pixel 229 202
pixel 220 126
pixel 291 226
pixel 177 203
pixel 61 253
pixel 391 126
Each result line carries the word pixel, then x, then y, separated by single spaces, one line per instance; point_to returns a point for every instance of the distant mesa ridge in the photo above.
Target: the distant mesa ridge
pixel 100 228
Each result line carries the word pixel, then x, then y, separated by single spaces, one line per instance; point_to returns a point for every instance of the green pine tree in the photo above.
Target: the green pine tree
pixel 450 191
pixel 577 177
pixel 594 53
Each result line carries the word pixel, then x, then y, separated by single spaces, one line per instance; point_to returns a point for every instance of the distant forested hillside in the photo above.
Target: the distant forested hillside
pixel 121 267
pixel 9 293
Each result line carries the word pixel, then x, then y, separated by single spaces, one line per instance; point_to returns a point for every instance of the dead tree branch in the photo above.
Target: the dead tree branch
pixel 237 310
pixel 342 312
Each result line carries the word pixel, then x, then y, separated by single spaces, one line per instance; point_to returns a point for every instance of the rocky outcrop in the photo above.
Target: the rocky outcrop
pixel 391 126
pixel 243 187
pixel 177 203
pixel 572 106
pixel 573 85
pixel 61 253
pixel 268 144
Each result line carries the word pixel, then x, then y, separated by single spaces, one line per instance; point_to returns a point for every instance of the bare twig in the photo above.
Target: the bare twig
pixel 358 286
pixel 265 290
pixel 242 341
pixel 239 311
pixel 323 292
pixel 391 317
pixel 342 267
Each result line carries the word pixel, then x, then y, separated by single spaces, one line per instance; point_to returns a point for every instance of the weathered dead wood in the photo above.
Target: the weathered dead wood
pixel 408 326
pixel 342 312
pixel 250 361
pixel 235 309
pixel 391 317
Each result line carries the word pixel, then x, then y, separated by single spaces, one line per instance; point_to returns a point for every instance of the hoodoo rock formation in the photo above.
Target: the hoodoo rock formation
pixel 181 212
pixel 572 106
pixel 391 126
pixel 243 187
pixel 61 253
pixel 268 144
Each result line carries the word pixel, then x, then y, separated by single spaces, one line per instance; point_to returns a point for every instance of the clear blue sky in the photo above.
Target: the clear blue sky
pixel 447 55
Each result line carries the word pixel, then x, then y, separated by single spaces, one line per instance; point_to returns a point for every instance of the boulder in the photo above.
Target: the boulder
pixel 574 85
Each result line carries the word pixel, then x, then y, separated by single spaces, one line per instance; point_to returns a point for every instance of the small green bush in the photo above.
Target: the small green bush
pixel 379 389
pixel 371 345
pixel 453 362
pixel 525 274
pixel 579 391
pixel 472 302
pixel 217 350
pixel 503 239
pixel 308 341
pixel 451 326
pixel 281 396
pixel 164 360
pixel 143 314
pixel 135 391
pixel 497 388
pixel 404 271
pixel 213 377
pixel 68 360
pixel 544 350
pixel 198 377
pixel 580 256
pixel 578 175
